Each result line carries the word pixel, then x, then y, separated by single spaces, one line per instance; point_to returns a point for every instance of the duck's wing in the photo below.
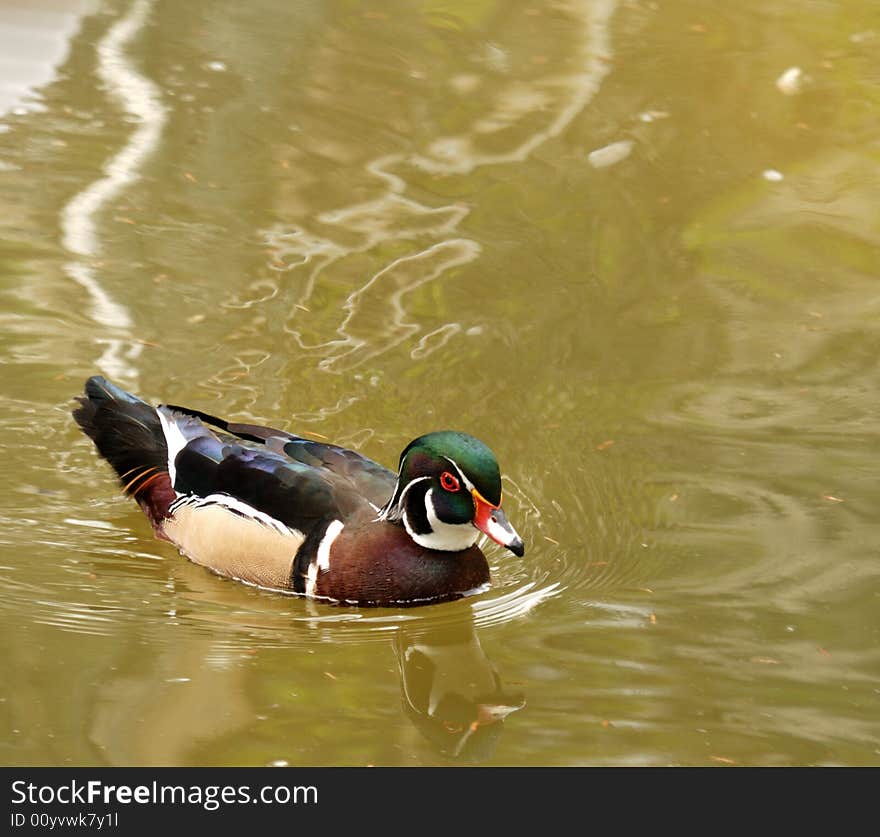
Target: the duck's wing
pixel 207 465
pixel 368 478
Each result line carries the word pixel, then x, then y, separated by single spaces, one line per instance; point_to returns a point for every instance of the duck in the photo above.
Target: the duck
pixel 283 512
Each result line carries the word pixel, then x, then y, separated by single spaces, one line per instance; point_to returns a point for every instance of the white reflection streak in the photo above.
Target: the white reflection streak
pixel 456 153
pixel 449 254
pixel 140 98
pixel 447 155
pixel 434 340
pixel 508 606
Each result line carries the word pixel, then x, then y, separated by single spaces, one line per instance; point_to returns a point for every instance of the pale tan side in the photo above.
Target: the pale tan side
pixel 233 545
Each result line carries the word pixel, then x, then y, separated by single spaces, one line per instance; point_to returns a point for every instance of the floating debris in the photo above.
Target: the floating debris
pixel 611 154
pixel 773 175
pixel 91 524
pixel 465 83
pixel 861 37
pixel 791 82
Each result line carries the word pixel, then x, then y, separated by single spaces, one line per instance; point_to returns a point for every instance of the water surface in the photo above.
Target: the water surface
pixel 634 247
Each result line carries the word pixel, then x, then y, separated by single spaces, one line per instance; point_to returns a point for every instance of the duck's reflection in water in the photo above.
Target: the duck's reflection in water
pixel 220 672
pixel 451 690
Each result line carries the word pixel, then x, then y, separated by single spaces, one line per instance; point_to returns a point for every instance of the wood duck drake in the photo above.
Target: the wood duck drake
pixel 272 509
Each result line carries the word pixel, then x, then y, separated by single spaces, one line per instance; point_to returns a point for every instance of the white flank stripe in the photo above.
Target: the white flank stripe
pixel 236 505
pixel 321 561
pixel 249 511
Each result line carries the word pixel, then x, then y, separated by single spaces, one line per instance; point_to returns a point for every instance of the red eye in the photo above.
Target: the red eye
pixel 448 481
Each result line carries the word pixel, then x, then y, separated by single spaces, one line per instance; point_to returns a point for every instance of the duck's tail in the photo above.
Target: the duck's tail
pixel 128 433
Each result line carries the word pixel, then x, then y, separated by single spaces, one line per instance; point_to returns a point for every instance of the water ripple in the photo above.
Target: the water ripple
pixel 524 114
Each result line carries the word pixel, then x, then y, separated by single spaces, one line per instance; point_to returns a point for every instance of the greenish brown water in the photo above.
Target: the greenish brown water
pixel 602 236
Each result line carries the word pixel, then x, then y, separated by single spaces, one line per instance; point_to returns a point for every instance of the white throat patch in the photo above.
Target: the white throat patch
pixel 448 537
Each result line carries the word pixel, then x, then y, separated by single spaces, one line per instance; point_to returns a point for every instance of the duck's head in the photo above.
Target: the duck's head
pixel 449 491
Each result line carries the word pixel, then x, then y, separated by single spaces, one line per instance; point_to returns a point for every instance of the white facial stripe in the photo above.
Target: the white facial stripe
pixel 402 506
pixel 395 511
pixel 468 484
pixel 385 511
pixel 321 561
pixel 175 441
